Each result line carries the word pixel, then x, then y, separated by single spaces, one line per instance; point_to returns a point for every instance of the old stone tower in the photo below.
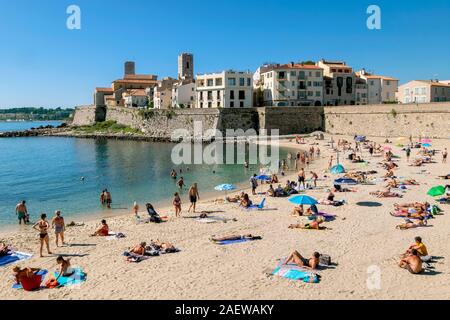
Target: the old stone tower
pixel 186 66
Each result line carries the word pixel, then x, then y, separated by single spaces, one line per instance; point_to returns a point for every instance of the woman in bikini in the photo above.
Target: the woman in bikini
pixel 42 226
pixel 59 225
pixel 315 224
pixel 177 204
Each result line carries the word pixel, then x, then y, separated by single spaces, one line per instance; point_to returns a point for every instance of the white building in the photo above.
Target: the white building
pixel 361 92
pixel 422 91
pixel 380 89
pixel 290 85
pixel 162 94
pixel 183 94
pixel 136 98
pixel 226 89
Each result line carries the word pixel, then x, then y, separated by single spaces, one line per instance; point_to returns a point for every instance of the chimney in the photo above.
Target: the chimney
pixel 292 64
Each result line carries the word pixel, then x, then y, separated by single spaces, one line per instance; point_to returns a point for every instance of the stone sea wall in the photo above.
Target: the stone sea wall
pixel 424 120
pixel 431 120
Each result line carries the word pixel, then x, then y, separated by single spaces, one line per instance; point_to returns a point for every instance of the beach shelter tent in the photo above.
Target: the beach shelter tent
pixel 436 191
pixel 303 200
pixel 338 169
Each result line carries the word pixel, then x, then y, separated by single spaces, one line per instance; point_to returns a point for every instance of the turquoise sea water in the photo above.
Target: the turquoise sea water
pixel 46 172
pixel 25 125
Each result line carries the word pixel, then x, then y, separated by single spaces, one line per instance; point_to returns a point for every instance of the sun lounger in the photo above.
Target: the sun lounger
pixel 14 257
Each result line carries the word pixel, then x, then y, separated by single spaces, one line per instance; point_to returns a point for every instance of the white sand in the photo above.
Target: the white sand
pixel 360 237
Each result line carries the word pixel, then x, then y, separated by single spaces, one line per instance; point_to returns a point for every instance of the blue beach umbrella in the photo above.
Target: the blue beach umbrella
pixel 263 177
pixel 360 138
pixel 346 181
pixel 303 200
pixel 225 187
pixel 337 169
pixel 426 145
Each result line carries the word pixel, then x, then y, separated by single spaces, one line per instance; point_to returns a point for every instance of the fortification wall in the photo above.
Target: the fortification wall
pixel 430 120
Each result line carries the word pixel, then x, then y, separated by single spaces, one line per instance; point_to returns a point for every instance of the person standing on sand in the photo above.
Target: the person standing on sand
pixel 444 156
pixel 301 178
pixel 59 225
pixel 408 153
pixel 177 204
pixel 22 212
pixel 253 184
pixel 314 178
pixel 136 209
pixel 42 226
pixel 330 163
pixel 193 196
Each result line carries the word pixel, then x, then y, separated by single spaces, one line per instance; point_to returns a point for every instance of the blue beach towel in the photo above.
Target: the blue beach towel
pixel 42 273
pixel 13 257
pixel 225 242
pixel 258 206
pixel 77 278
pixel 294 272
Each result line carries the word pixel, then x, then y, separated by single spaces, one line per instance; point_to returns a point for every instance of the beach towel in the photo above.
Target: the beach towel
pixel 133 257
pixel 328 217
pixel 227 242
pixel 211 220
pixel 41 273
pixel 14 256
pixel 114 236
pixel 258 206
pixel 77 277
pixel 294 272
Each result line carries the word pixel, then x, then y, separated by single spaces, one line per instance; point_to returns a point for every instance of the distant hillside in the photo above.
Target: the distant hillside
pixel 35 114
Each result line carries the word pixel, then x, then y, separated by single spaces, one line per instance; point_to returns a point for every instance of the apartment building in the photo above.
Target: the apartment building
pixel 292 84
pixel 162 94
pixel 422 91
pixel 183 94
pixel 361 91
pixel 136 98
pixel 226 89
pixel 380 89
pixel 339 83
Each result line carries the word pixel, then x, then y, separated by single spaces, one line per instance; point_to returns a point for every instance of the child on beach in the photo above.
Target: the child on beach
pixel 177 204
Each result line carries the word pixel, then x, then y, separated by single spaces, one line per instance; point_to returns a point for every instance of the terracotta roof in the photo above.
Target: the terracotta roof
pixel 372 76
pixel 104 89
pixel 141 77
pixel 143 81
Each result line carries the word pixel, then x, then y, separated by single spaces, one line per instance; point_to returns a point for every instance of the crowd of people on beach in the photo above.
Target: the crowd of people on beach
pixel 416 214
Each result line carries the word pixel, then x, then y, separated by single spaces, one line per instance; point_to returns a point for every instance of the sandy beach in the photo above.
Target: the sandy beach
pixel 360 238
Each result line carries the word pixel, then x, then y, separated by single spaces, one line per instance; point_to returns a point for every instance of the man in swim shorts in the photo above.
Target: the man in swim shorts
pixel 22 212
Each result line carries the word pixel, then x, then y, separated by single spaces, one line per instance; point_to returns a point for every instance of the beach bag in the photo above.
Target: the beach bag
pixel 324 260
pixel 51 283
pixel 31 283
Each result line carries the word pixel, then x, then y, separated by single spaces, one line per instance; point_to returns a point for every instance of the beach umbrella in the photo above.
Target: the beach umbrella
pixel 360 138
pixel 225 187
pixel 303 200
pixel 426 145
pixel 425 140
pixel 436 191
pixel 263 177
pixel 343 181
pixel 387 148
pixel 338 169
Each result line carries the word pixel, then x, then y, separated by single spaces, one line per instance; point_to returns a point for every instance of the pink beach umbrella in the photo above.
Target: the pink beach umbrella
pixel 387 148
pixel 425 140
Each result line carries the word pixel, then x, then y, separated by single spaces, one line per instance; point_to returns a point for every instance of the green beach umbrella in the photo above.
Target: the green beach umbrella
pixel 436 191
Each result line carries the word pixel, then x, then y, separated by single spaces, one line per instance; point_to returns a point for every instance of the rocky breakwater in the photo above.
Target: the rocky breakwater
pixel 34 132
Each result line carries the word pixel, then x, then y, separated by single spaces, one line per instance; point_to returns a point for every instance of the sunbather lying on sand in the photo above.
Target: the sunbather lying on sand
pixel 315 224
pixel 408 224
pixel 411 214
pixel 103 231
pixel 386 194
pixel 20 274
pixel 418 206
pixel 298 259
pixel 236 198
pixel 412 263
pixel 234 237
pixel 416 163
pixel 445 177
pixel 163 246
pixel 409 182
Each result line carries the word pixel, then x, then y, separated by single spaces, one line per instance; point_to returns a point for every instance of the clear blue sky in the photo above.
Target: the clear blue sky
pixel 42 63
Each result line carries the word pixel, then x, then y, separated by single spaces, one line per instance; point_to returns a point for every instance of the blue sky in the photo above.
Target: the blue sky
pixel 42 63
